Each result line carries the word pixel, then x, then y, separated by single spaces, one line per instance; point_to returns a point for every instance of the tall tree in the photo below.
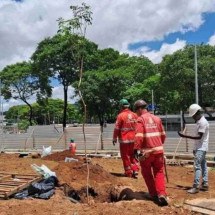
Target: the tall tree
pixel 20 83
pixel 178 78
pixel 58 57
pixel 121 76
pixel 62 56
pixel 101 91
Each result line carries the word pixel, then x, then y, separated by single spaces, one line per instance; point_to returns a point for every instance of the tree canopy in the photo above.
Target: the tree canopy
pixel 178 78
pixel 19 82
pixel 108 77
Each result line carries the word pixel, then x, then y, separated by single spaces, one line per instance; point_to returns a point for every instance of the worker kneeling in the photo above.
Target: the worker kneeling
pixel 149 139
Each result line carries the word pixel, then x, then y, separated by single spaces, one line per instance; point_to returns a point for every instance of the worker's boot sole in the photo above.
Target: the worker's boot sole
pixel 162 201
pixel 135 175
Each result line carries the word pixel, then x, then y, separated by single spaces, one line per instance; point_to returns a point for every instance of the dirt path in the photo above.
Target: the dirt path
pixel 104 174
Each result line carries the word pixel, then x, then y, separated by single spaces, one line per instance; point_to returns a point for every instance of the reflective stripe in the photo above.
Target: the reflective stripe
pixel 152 134
pixel 158 148
pixel 127 129
pixel 139 135
pixel 126 141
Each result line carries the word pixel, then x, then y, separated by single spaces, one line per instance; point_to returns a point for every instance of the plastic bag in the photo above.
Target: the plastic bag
pixel 43 170
pixel 70 159
pixel 42 190
pixel 46 151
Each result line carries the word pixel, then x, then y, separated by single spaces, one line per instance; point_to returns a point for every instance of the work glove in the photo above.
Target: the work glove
pixel 114 142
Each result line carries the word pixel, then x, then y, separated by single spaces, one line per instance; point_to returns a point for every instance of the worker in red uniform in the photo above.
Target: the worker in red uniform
pixel 124 131
pixel 72 146
pixel 149 139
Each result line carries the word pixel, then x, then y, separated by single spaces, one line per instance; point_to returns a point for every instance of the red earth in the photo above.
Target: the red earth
pixel 105 178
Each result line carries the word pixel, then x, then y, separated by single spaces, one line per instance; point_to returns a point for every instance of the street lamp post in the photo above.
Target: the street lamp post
pixel 196 78
pixel 153 107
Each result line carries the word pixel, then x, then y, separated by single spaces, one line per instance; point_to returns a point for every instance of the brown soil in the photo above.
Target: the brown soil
pixel 60 156
pixel 104 175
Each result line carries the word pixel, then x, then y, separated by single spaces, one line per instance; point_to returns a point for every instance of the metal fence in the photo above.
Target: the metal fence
pixel 53 135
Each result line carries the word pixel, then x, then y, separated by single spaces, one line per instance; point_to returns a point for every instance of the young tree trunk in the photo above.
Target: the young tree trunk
pixel 31 113
pixel 65 90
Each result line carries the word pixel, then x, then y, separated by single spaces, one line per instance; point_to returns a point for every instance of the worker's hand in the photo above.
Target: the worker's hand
pixel 146 153
pixel 180 134
pixel 136 154
pixel 114 142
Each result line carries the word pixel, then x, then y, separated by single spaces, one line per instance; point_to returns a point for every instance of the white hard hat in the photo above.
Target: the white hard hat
pixel 193 109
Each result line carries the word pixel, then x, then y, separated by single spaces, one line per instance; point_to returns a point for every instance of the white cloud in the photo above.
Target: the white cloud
pixel 156 56
pixel 122 22
pixel 212 40
pixel 165 49
pixel 115 23
pixel 25 24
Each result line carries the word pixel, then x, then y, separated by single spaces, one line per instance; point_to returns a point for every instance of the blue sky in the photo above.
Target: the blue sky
pixel 201 35
pixel 153 28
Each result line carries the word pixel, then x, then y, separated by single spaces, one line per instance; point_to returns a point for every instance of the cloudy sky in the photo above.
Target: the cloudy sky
pixel 151 28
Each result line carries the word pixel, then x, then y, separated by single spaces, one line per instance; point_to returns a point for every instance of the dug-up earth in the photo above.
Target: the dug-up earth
pixel 106 181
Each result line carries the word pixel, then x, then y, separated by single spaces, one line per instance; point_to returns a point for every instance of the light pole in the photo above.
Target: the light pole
pixel 196 78
pixel 153 108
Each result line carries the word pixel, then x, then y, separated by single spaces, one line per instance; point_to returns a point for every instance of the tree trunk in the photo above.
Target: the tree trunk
pixel 65 90
pixel 31 113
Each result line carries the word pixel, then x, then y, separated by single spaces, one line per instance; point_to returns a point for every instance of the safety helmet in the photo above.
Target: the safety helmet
pixel 124 103
pixel 193 109
pixel 72 140
pixel 140 103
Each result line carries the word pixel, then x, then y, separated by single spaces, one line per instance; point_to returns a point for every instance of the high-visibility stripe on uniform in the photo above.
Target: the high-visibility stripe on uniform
pixel 126 129
pixel 158 148
pixel 139 135
pixel 152 134
pixel 126 141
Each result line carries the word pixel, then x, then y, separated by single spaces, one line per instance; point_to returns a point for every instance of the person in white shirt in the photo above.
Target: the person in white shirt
pixel 200 149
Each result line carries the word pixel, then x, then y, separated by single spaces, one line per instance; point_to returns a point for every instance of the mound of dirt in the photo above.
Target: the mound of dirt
pixel 73 177
pixel 75 174
pixel 60 156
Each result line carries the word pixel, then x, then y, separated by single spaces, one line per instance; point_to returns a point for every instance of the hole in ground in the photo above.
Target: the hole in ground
pixel 80 196
pixel 112 194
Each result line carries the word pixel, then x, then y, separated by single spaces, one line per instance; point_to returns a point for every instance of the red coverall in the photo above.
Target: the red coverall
pixel 150 135
pixel 125 132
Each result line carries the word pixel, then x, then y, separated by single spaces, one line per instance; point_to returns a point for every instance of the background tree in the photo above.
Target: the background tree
pixel 58 57
pixel 178 78
pixel 50 111
pixel 44 113
pixel 101 91
pixel 121 77
pixel 19 82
